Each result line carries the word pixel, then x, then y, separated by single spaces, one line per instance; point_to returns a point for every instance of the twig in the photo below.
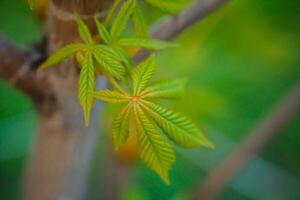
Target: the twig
pixel 14 67
pixel 174 26
pixel 272 125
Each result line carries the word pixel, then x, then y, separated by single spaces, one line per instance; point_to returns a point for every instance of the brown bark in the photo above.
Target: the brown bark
pixel 59 165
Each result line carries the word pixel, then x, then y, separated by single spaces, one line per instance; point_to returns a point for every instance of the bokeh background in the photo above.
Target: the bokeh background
pixel 240 61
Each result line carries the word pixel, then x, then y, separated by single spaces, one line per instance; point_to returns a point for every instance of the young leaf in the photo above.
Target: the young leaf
pixel 109 60
pixel 123 56
pixel 120 126
pixel 121 20
pixel 145 43
pixel 86 86
pixel 153 148
pixel 84 31
pixel 139 23
pixel 170 6
pixel 164 89
pixel 102 31
pixel 110 96
pixel 61 54
pixel 142 74
pixel 178 128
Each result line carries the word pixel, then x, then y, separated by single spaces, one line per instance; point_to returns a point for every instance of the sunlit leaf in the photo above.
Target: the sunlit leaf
pixel 109 60
pixel 86 86
pixel 110 96
pixel 164 89
pixel 139 23
pixel 120 126
pixel 102 31
pixel 84 31
pixel 61 54
pixel 178 128
pixel 170 6
pixel 145 43
pixel 142 74
pixel 153 148
pixel 121 20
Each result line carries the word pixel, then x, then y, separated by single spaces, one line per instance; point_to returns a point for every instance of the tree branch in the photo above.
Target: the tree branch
pixel 277 119
pixel 174 26
pixel 15 67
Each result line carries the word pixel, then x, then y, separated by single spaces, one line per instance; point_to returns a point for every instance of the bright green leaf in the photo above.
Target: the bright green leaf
pixel 84 31
pixel 178 128
pixel 86 86
pixel 61 54
pixel 120 126
pixel 139 23
pixel 102 31
pixel 110 96
pixel 145 43
pixel 154 150
pixel 121 20
pixel 170 6
pixel 164 89
pixel 123 56
pixel 142 74
pixel 109 60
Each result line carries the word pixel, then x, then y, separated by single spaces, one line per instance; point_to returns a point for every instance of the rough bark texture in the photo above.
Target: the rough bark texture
pixel 60 162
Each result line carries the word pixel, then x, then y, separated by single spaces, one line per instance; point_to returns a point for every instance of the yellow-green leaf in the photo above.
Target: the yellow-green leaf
pixel 102 31
pixel 164 89
pixel 149 44
pixel 61 54
pixel 110 96
pixel 178 128
pixel 121 20
pixel 109 60
pixel 142 74
pixel 139 23
pixel 120 126
pixel 154 150
pixel 170 6
pixel 84 31
pixel 86 86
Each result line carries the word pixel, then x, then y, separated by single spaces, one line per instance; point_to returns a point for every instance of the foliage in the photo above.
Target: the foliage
pixel 149 119
pixel 106 54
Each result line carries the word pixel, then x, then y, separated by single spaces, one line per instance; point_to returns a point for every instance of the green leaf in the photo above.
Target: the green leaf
pixel 154 150
pixel 170 6
pixel 145 43
pixel 86 86
pixel 142 74
pixel 120 126
pixel 84 31
pixel 110 96
pixel 164 89
pixel 178 128
pixel 123 56
pixel 31 3
pixel 109 60
pixel 61 54
pixel 140 25
pixel 121 20
pixel 102 31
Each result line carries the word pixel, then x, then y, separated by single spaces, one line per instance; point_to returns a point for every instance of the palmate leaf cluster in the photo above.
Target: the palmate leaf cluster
pixel 106 54
pixel 150 120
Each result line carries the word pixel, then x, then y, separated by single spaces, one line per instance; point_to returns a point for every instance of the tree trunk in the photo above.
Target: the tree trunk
pixel 60 162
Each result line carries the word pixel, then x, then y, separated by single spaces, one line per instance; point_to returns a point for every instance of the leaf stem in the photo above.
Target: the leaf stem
pixel 116 85
pixel 111 12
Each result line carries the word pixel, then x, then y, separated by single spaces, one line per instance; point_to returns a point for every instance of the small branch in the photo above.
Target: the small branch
pixel 15 67
pixel 274 123
pixel 174 26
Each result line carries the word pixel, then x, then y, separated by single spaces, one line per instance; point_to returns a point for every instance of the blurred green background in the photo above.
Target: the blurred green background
pixel 239 61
